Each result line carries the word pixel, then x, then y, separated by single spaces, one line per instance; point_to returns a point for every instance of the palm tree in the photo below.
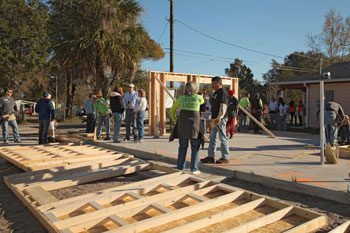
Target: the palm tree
pixel 100 38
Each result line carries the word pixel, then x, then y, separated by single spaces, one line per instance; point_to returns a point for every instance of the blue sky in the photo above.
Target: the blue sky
pixel 276 27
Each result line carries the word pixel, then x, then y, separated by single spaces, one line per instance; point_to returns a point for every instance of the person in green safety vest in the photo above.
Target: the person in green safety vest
pixel 103 116
pixel 188 125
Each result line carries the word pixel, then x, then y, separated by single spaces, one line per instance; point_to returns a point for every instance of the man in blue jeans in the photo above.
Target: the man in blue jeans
pixel 218 103
pixel 129 99
pixel 46 113
pixel 8 108
pixel 334 114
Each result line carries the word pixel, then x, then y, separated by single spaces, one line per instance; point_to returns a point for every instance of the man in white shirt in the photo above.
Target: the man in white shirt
pixel 129 100
pixel 273 112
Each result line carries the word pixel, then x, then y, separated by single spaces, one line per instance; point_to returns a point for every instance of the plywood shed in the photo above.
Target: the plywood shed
pixel 157 94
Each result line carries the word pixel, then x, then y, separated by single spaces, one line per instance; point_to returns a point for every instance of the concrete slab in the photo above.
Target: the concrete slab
pixel 283 162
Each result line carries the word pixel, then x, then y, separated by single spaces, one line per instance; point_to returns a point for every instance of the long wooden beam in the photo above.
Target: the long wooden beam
pixel 256 121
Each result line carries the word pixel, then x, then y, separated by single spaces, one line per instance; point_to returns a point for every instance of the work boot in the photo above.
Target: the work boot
pixel 222 160
pixel 208 160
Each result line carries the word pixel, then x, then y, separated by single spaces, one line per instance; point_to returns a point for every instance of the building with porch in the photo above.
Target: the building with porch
pixel 337 89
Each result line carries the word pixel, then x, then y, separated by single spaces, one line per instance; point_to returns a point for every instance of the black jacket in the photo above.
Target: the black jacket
pixel 116 102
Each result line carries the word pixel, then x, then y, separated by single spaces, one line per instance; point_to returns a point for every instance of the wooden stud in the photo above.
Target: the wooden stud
pixel 40 195
pixel 343 228
pixel 262 221
pixel 178 214
pixel 219 217
pixel 127 209
pixel 75 202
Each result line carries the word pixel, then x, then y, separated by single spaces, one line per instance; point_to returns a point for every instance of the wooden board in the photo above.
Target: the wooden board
pixel 344 152
pixel 41 157
pixel 343 228
pixel 173 202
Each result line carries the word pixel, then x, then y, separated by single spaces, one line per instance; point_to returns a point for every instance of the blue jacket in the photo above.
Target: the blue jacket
pixel 45 110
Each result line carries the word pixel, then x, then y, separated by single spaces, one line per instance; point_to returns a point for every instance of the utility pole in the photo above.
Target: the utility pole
pixel 171 40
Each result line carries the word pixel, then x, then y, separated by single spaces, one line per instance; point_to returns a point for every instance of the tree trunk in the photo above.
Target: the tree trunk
pixel 101 79
pixel 69 102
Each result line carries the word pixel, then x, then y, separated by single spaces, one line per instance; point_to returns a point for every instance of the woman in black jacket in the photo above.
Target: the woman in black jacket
pixel 117 107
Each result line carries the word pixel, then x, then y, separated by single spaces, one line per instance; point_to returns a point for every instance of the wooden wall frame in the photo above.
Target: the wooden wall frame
pixel 157 95
pixel 173 202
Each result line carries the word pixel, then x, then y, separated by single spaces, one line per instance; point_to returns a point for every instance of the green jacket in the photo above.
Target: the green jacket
pixel 102 106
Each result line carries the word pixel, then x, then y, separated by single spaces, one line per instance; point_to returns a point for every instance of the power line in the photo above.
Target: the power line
pixel 161 35
pixel 228 59
pixel 239 46
pixel 227 43
pixel 279 67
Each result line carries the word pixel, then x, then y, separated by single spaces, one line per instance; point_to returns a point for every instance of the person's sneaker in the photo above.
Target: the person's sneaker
pixel 18 141
pixel 141 141
pixel 135 138
pixel 127 139
pixel 6 142
pixel 222 160
pixel 116 141
pixel 107 138
pixel 208 160
pixel 196 172
pixel 231 136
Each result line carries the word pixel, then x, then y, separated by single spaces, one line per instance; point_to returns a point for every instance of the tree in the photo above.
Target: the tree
pixel 247 83
pixel 294 65
pixel 24 44
pixel 100 39
pixel 334 38
pixel 331 34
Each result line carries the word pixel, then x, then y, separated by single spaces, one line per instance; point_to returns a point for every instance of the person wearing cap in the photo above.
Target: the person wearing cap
pixel 103 116
pixel 90 113
pixel 46 114
pixel 8 108
pixel 129 99
pixel 232 113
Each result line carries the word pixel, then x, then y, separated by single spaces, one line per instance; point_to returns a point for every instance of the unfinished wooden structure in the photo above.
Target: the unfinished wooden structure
pixel 163 201
pixel 173 202
pixel 157 95
pixel 62 157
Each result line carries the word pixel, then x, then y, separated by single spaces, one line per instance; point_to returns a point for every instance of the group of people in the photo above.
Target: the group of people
pixel 275 114
pixel 45 107
pixel 279 111
pixel 132 103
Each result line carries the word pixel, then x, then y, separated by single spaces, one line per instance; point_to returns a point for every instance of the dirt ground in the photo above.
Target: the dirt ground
pixel 15 217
